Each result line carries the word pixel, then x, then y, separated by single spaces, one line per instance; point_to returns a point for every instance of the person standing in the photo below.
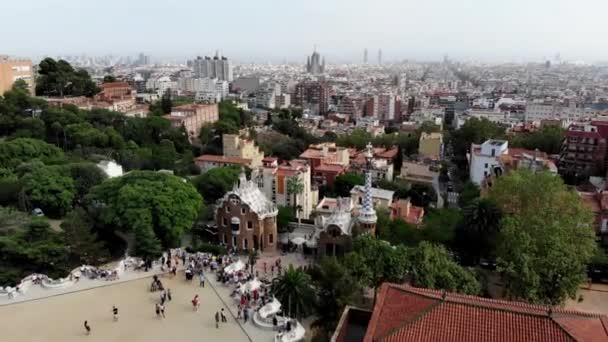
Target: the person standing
pixel 162 310
pixel 87 327
pixel 157 310
pixel 217 320
pixel 115 312
pixel 201 278
pixel 169 294
pixel 223 316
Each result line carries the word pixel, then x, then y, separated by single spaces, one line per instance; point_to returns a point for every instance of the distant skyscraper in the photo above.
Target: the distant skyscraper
pixel 379 56
pixel 314 64
pixel 365 56
pixel 143 59
pixel 216 67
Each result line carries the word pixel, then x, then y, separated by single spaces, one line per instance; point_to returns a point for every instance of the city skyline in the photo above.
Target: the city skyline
pixel 477 30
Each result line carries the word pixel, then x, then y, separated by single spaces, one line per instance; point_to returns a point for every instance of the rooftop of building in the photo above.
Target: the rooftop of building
pixel 405 313
pixel 252 196
pixel 222 159
pixel 376 192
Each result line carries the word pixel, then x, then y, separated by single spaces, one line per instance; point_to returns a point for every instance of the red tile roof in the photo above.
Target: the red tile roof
pixel 222 159
pixel 115 85
pixel 405 313
pixel 330 168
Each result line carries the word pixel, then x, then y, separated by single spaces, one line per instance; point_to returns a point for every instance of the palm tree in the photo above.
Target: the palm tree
pixel 481 223
pixel 293 289
pixel 295 186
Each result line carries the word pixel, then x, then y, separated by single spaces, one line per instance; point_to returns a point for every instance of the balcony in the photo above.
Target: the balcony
pixel 235 225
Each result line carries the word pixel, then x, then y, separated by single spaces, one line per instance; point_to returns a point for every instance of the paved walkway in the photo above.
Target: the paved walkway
pixel 38 291
pixel 61 317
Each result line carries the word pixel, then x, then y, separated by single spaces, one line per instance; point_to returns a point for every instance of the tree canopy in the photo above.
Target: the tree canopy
pixel 49 188
pixel 213 184
pixel 432 267
pixel 17 151
pixel 157 207
pixel 59 78
pixel 546 238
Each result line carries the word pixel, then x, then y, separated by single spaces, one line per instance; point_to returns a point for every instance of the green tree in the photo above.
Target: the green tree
pixel 374 262
pixel 476 236
pixel 166 103
pixel 344 183
pixel 109 79
pixel 295 186
pixel 164 155
pixel 286 215
pixel 58 78
pixel 48 188
pixel 157 207
pixel 432 267
pixel 335 289
pixel 546 238
pixel 475 131
pixel 85 175
pixel 82 242
pixel 213 184
pixel 440 225
pixel 294 290
pixel 17 151
pixel 469 193
pixel 547 139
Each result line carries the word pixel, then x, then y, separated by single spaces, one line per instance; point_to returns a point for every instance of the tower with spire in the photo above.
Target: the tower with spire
pixel 367 216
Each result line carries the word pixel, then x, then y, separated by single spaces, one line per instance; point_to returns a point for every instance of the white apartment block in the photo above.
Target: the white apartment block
pixel 483 159
pixel 550 111
pixel 272 179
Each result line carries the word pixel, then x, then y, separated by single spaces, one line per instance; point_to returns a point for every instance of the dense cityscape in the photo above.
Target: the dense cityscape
pixel 209 197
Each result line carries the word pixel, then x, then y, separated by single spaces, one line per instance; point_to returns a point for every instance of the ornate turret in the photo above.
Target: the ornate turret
pixel 367 215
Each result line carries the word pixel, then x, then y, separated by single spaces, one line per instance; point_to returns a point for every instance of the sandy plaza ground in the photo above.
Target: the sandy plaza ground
pixel 60 318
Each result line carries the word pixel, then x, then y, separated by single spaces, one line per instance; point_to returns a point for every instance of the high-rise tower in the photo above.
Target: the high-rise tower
pixel 365 56
pixel 379 56
pixel 367 216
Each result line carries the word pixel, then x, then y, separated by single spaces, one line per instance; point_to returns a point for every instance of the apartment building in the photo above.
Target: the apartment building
pixel 193 116
pixel 12 70
pixel 273 180
pixel 313 96
pixel 583 151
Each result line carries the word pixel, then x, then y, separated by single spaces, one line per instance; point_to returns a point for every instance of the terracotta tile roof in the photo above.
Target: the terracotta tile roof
pixel 222 159
pixel 330 168
pixel 404 313
pixel 115 85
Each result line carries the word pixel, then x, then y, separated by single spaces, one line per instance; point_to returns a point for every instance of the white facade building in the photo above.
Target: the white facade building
pixel 483 159
pixel 549 111
pixel 272 179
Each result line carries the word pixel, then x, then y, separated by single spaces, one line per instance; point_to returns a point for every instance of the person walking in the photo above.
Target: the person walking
pixel 217 320
pixel 195 303
pixel 157 310
pixel 201 278
pixel 223 316
pixel 115 312
pixel 162 310
pixel 169 294
pixel 240 310
pixel 87 327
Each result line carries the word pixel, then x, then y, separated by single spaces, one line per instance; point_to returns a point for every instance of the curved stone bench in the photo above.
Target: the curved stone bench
pixel 266 324
pixel 62 283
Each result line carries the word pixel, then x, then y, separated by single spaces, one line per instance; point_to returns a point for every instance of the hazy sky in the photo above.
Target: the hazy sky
pixel 245 30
